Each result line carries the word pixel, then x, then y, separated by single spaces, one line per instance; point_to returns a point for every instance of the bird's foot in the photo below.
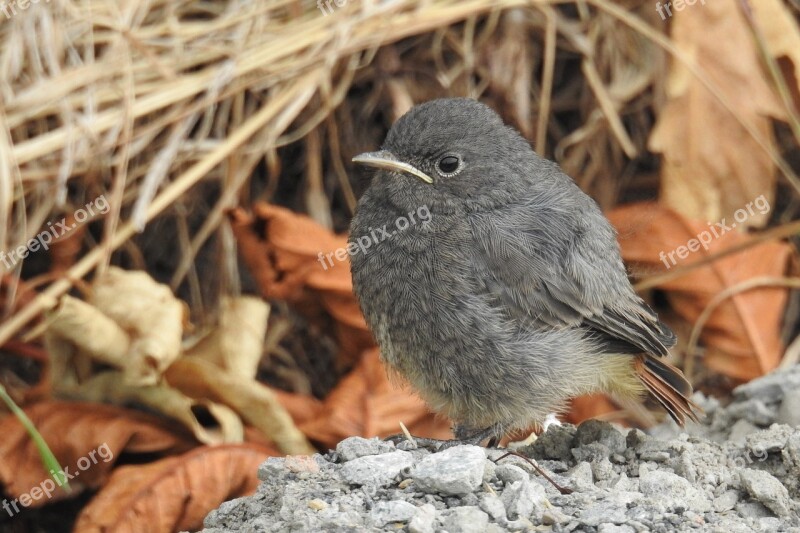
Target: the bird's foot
pixel 463 436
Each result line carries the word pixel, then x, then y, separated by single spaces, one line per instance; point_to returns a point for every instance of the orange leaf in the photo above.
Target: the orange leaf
pixel 742 335
pixel 366 403
pixel 176 493
pixel 75 432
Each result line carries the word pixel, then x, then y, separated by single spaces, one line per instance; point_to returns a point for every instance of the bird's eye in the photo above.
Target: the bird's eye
pixel 449 165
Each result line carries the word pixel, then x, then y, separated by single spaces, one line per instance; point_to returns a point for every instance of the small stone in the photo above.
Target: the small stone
pixel 493 506
pixel 593 451
pixel 510 473
pixel 753 510
pixel 317 504
pixel 764 487
pixel 554 516
pixel 726 501
pixel 770 388
pixel 454 471
pixel 355 447
pixel 376 469
pixel 301 463
pixel 789 411
pixel 672 491
pixel 601 432
pixel 466 519
pixel 740 430
pixel 582 477
pixel 424 519
pixel 271 468
pixel 521 498
pixel 753 410
pixel 655 456
pixel 602 469
pixel 405 483
pixel 771 440
pixel 614 528
pixel 556 443
pixel 384 513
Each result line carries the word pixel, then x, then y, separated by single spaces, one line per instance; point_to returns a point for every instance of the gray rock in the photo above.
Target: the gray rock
pixel 522 498
pixel 602 469
pixel 492 505
pixel 510 473
pixel 740 430
pixel 672 491
pixel 753 510
pixel 593 451
pixel 376 470
pixel 424 520
pixel 726 501
pixel 454 471
pixel 763 486
pixel 394 511
pixel 355 447
pixel 555 443
pixel 771 440
pixel 582 477
pixel 770 388
pixel 789 411
pixel 754 411
pixel 603 512
pixel 613 528
pixel 600 432
pixel 467 519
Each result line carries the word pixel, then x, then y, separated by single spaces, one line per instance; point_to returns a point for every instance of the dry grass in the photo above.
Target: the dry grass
pixel 140 101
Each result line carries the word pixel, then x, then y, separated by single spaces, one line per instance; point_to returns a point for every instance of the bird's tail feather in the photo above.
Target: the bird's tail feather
pixel 668 385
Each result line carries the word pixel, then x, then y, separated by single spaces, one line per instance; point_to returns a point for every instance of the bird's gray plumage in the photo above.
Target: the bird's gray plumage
pixel 513 297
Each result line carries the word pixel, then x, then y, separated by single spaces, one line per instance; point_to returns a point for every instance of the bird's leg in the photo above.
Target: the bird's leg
pixel 463 434
pixel 559 488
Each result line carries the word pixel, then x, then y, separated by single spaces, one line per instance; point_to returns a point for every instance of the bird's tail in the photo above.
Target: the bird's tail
pixel 669 386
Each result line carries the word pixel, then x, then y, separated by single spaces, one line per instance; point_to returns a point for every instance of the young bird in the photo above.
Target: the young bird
pixel 512 298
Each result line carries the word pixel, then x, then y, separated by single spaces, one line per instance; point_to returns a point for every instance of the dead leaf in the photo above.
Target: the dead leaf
pixel 742 336
pixel 712 166
pixel 73 431
pixel 366 403
pixel 253 401
pixel 173 494
pixel 152 315
pixel 237 342
pixel 781 32
pixel 209 422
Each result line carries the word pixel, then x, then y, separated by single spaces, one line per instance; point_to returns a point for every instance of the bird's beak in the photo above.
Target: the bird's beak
pixel 386 160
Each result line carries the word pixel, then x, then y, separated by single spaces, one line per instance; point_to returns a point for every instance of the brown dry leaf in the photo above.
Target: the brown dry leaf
pixel 74 431
pixel 366 403
pixel 254 402
pixel 742 336
pixel 712 166
pixel 237 342
pixel 152 315
pixel 781 32
pixel 78 330
pixel 173 494
pixel 286 258
pixel 209 422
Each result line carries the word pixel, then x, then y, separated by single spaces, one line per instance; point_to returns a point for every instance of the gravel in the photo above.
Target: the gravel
pixel 738 471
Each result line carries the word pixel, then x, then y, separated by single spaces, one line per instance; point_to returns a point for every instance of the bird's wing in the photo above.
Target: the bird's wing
pixel 559 266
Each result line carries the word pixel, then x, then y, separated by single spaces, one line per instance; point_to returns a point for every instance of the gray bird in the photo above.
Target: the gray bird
pixel 511 297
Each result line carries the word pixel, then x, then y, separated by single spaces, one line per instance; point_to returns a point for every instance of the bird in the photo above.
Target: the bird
pixel 511 296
